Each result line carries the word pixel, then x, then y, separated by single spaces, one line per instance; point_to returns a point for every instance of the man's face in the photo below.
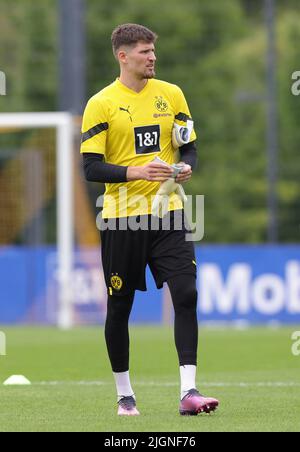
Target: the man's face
pixel 140 60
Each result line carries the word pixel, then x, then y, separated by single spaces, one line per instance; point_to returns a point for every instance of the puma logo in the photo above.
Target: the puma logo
pixel 127 111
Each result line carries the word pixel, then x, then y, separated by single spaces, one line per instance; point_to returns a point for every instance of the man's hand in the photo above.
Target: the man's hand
pixel 152 172
pixel 185 174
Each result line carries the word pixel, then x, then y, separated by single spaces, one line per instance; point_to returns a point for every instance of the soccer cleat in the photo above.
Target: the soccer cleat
pixel 193 403
pixel 127 407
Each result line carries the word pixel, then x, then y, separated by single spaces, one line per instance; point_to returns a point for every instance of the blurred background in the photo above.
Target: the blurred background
pixel 234 60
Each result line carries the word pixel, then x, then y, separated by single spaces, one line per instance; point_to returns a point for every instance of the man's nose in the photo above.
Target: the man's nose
pixel 152 57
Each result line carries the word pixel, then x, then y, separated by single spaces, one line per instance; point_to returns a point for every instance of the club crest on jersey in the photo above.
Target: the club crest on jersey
pixel 116 282
pixel 160 104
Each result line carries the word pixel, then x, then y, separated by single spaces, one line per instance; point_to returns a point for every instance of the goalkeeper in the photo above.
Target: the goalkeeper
pixel 130 134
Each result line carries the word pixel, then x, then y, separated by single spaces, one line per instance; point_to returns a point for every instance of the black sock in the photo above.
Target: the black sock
pixel 184 296
pixel 116 331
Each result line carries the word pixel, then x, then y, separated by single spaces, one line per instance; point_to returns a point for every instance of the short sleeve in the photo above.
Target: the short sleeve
pixel 182 112
pixel 94 127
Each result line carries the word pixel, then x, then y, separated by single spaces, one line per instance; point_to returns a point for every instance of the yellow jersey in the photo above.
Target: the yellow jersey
pixel 131 129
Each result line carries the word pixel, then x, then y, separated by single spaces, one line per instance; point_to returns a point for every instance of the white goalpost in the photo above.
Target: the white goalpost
pixel 63 123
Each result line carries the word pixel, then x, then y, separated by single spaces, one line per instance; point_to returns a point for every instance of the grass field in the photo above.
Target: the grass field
pixel 252 372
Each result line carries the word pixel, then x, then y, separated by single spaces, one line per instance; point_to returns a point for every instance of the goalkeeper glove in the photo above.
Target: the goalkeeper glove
pixel 181 135
pixel 160 205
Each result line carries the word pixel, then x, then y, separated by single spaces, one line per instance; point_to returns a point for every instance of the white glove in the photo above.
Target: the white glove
pixel 182 134
pixel 160 205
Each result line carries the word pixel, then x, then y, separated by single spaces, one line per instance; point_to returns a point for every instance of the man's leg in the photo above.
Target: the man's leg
pixel 184 296
pixel 117 342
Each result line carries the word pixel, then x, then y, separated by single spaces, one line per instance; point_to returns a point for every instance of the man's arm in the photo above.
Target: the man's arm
pixel 188 154
pixel 96 170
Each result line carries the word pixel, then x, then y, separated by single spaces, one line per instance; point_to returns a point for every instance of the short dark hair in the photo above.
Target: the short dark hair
pixel 131 34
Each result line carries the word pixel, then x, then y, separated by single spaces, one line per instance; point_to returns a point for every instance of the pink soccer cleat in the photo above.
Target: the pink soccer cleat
pixel 194 403
pixel 127 407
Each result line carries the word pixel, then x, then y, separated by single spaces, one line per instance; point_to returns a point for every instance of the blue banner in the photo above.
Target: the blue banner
pixel 248 284
pixel 255 284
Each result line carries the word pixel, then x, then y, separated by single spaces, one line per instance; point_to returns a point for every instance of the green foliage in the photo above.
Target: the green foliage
pixel 216 52
pixel 28 55
pixel 289 111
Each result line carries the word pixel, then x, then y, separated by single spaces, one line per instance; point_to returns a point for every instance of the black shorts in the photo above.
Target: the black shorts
pixel 161 244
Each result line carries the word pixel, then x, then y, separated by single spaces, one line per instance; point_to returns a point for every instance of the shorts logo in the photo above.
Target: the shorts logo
pixel 116 282
pixel 160 104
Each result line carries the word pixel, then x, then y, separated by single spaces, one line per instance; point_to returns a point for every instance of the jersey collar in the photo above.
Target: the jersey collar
pixel 124 88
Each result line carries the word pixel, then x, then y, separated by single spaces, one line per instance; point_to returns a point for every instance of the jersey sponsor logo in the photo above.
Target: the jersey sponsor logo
pixel 160 104
pixel 116 282
pixel 161 115
pixel 127 110
pixel 147 139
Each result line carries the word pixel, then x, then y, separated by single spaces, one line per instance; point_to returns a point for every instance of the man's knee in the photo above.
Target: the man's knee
pixel 189 297
pixel 119 307
pixel 185 296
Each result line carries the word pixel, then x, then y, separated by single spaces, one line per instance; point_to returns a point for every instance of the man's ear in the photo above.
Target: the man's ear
pixel 122 56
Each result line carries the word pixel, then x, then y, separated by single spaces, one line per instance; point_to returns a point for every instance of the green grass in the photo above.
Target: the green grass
pixel 259 358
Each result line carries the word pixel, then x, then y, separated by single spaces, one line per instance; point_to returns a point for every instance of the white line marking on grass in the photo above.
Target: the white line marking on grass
pixel 265 384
